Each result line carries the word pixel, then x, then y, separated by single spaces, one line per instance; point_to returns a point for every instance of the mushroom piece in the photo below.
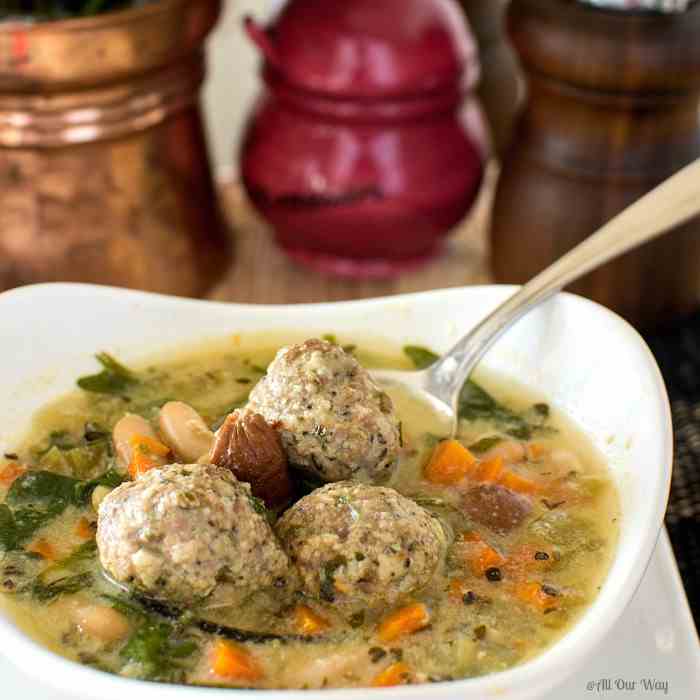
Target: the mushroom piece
pixel 252 449
pixel 185 431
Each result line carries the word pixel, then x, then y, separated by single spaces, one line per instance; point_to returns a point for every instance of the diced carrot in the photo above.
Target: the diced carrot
pixel 406 620
pixel 471 536
pixel 233 661
pixel 308 622
pixel 450 462
pixel 535 450
pixel 533 594
pixel 518 483
pixel 490 470
pixel 140 464
pixel 396 674
pixel 10 472
pixel 84 529
pixel 487 558
pixel 149 445
pixel 43 548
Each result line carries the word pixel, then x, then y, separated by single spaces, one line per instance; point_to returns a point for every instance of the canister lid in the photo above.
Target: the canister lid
pixel 370 48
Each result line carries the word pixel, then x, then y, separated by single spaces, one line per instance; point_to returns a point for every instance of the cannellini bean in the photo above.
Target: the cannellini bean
pixel 99 495
pixel 127 428
pixel 185 431
pixel 510 450
pixel 102 623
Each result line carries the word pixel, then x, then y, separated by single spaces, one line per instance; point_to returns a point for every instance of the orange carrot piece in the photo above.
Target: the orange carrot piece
pixel 533 594
pixel 487 558
pixel 10 472
pixel 43 548
pixel 406 620
pixel 149 445
pixel 490 470
pixel 234 662
pixel 471 536
pixel 396 674
pixel 84 529
pixel 140 464
pixel 308 622
pixel 535 450
pixel 450 462
pixel 518 483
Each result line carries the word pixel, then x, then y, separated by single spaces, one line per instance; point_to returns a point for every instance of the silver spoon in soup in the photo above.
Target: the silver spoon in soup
pixel 670 204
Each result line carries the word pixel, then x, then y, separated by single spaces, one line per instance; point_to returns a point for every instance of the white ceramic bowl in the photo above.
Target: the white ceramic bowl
pixel 587 361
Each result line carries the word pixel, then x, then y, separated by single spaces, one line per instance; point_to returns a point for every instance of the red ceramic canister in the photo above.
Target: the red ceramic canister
pixel 367 145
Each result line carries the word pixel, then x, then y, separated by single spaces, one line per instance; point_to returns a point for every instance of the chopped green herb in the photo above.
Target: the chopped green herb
pixel 420 356
pixel 113 379
pixel 68 585
pixel 158 650
pixel 327 590
pixel 477 404
pixel 329 338
pixel 485 444
pixel 37 497
pixel 349 348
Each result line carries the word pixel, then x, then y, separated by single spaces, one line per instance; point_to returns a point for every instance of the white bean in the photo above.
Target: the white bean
pixel 102 623
pixel 185 431
pixel 124 431
pixel 511 452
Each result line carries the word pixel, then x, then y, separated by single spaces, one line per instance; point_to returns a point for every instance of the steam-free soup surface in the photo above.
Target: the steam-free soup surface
pixel 528 511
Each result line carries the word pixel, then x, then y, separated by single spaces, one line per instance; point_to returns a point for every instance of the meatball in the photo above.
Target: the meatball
pixel 334 421
pixel 179 530
pixel 496 507
pixel 360 546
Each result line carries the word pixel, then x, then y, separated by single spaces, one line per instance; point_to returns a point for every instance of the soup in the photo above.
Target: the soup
pixel 368 550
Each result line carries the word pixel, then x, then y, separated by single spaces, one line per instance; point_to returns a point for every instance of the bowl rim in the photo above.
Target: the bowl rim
pixel 534 676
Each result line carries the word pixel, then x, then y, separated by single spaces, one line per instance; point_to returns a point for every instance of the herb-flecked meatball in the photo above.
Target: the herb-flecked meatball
pixel 334 421
pixel 179 530
pixel 360 546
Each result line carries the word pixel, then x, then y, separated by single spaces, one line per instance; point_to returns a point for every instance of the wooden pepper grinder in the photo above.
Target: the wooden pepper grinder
pixel 612 111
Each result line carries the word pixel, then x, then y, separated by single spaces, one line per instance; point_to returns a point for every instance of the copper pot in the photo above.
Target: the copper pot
pixel 104 174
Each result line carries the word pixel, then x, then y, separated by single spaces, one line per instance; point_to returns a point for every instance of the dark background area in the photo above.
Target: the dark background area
pixel 677 350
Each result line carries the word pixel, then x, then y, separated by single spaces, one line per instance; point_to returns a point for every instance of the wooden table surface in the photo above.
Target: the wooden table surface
pixel 262 274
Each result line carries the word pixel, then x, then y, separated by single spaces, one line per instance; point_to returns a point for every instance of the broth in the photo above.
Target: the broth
pixel 499 597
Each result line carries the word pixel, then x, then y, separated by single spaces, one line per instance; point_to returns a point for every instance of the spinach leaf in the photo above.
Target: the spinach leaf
pixel 477 404
pixel 37 497
pixel 111 478
pixel 113 379
pixel 158 650
pixel 485 444
pixel 420 356
pixel 42 487
pixel 67 585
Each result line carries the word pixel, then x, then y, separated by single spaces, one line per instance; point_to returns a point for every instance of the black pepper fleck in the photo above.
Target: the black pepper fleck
pixel 493 574
pixel 376 654
pixel 469 598
pixel 550 590
pixel 480 632
pixel 541 556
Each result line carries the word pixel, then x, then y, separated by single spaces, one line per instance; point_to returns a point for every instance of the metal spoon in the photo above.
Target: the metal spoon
pixel 672 203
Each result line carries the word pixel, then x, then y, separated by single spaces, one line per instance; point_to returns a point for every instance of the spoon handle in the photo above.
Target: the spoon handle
pixel 672 203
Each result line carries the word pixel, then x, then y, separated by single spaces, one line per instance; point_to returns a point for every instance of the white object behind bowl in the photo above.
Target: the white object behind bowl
pixel 587 361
